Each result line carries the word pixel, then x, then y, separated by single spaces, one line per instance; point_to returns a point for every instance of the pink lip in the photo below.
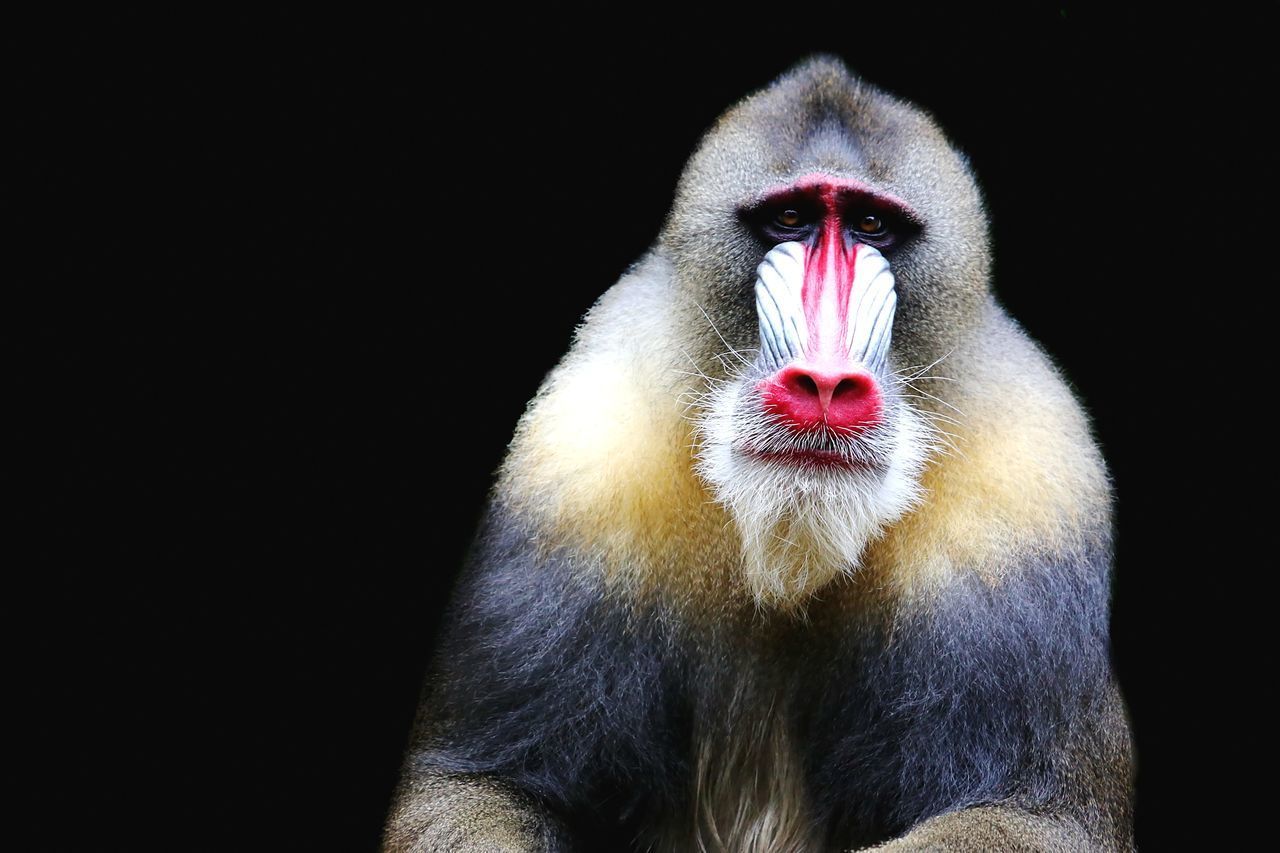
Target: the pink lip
pixel 809 458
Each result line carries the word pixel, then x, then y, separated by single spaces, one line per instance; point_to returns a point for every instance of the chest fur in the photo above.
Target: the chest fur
pixel 748 792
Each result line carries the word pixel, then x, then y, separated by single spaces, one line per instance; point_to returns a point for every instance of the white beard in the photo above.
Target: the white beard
pixel 802 526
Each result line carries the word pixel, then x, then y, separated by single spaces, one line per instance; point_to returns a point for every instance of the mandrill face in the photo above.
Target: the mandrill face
pixel 812 445
pixel 839 274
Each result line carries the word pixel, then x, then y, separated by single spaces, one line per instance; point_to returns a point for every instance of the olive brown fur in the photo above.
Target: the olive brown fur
pixel 609 678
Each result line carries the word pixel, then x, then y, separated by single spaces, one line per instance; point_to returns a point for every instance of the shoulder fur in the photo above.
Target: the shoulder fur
pixel 1023 474
pixel 602 461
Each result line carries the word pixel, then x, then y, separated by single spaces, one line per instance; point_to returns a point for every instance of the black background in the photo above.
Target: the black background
pixel 294 281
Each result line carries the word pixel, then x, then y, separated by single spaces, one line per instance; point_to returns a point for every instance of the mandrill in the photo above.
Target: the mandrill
pixel 803 546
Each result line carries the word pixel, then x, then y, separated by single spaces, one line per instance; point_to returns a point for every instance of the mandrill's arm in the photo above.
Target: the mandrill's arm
pixel 994 828
pixel 436 812
pixel 1092 810
pixel 477 777
pixel 543 705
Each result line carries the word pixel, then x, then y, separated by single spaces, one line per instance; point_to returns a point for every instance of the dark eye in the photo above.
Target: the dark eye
pixel 789 218
pixel 871 225
pixel 785 219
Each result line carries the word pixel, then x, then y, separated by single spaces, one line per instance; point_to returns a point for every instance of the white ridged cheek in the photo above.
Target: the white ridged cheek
pixel 784 331
pixel 872 305
pixel 784 336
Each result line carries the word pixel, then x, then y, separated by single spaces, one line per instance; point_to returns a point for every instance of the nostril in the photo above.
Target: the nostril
pixel 850 388
pixel 804 383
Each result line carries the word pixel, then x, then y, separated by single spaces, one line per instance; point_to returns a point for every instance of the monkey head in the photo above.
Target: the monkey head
pixel 824 262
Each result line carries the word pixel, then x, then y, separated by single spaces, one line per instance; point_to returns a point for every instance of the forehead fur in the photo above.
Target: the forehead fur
pixel 818 118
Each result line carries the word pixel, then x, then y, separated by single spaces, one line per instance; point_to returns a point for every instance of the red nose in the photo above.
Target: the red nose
pixel 808 398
